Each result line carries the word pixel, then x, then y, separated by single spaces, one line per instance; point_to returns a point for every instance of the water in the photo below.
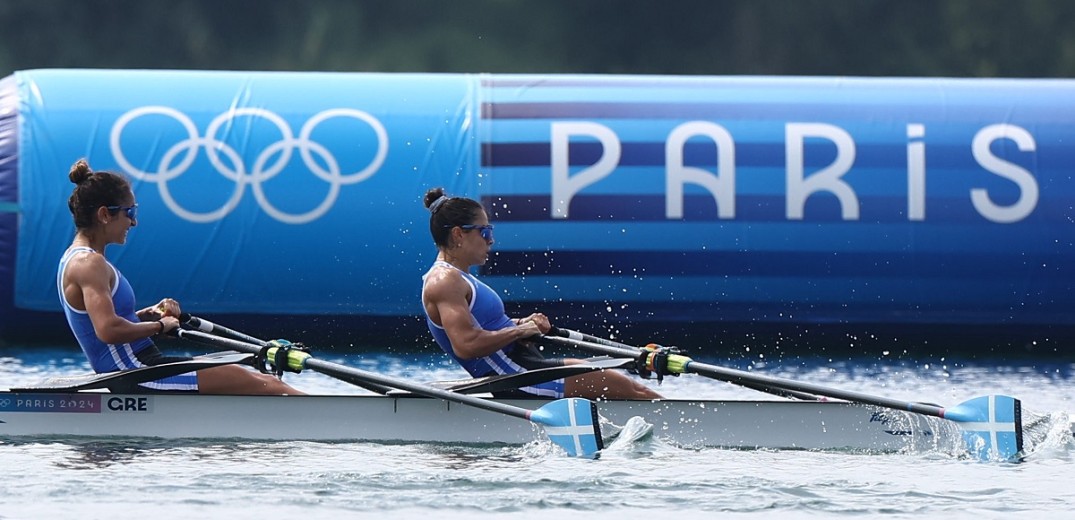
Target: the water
pixel 641 479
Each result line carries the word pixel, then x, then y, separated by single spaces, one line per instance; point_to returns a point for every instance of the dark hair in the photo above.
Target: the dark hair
pixel 447 212
pixel 93 190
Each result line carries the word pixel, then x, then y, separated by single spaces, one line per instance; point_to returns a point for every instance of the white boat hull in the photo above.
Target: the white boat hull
pixel 734 424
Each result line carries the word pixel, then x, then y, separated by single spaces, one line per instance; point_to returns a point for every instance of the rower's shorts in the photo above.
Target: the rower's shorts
pixel 527 356
pixel 151 356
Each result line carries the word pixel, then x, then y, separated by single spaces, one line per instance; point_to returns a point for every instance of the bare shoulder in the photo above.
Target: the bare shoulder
pixel 443 282
pixel 87 265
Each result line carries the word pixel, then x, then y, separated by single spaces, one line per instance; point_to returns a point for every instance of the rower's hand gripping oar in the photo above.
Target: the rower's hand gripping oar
pixel 571 423
pixel 992 425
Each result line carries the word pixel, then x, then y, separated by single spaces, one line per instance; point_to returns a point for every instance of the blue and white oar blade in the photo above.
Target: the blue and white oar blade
pixel 992 426
pixel 572 424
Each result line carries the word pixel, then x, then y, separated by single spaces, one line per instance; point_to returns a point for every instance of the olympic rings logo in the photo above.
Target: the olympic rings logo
pixel 279 153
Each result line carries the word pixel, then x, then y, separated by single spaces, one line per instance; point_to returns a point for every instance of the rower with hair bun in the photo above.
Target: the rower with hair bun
pixel 467 318
pixel 99 301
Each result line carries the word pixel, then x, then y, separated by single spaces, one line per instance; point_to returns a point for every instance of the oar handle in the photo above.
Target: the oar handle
pixel 580 336
pixel 220 330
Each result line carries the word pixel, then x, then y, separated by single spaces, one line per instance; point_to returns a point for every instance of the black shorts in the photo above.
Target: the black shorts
pixel 529 357
pixel 150 356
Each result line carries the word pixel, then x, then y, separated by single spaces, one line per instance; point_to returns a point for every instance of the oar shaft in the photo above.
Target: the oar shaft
pixel 345 372
pixel 571 423
pixel 740 377
pixel 222 331
pixel 581 340
pixel 732 375
pixel 326 367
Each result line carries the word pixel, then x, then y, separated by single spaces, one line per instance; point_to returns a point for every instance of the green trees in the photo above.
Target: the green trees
pixel 1031 38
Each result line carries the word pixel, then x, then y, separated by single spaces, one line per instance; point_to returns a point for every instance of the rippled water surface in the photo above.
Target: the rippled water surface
pixel 143 478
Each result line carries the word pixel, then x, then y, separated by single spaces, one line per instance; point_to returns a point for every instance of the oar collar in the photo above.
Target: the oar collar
pixel 283 356
pixel 661 361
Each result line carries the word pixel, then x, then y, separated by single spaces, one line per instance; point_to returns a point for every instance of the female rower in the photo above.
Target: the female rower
pixel 99 302
pixel 467 319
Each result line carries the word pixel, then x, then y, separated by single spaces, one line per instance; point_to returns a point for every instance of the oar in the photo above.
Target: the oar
pixel 135 375
pixel 500 383
pixel 581 340
pixel 992 425
pixel 571 423
pixel 220 330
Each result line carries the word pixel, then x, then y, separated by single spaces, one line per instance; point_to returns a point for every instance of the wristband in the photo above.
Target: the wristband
pixel 162 327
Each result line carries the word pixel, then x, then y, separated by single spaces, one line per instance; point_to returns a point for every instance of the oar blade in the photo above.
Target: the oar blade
pixel 992 426
pixel 572 424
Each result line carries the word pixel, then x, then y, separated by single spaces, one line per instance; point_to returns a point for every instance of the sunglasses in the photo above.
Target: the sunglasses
pixel 132 211
pixel 486 230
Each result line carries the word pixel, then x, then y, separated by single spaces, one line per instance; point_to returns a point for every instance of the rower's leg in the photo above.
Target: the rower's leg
pixel 606 384
pixel 237 380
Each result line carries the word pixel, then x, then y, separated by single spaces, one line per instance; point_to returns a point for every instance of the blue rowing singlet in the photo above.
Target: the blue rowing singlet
pixel 488 311
pixel 106 357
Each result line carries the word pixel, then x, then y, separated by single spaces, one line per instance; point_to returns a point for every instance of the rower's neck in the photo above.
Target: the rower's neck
pixel 457 263
pixel 83 239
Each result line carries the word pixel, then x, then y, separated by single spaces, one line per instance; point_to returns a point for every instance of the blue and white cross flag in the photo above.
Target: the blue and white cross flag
pixel 572 424
pixel 992 426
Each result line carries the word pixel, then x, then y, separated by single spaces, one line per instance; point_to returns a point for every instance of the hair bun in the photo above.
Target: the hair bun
pixel 432 197
pixel 438 203
pixel 80 171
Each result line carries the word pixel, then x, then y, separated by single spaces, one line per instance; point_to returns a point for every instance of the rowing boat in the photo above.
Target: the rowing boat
pixel 688 423
pixel 455 412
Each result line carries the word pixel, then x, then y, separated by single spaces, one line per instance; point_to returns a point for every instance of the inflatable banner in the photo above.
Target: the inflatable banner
pixel 767 199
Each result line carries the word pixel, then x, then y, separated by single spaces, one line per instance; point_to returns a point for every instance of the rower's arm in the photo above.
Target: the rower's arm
pixel 446 298
pixel 90 278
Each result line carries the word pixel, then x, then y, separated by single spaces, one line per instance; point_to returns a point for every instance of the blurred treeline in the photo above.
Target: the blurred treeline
pixel 963 38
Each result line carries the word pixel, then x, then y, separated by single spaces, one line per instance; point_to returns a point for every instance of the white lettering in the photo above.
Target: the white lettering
pixel 721 181
pixel 916 172
pixel 721 185
pixel 828 178
pixel 1028 186
pixel 564 185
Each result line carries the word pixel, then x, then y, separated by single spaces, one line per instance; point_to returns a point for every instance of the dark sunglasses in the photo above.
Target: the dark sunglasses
pixel 132 211
pixel 486 230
